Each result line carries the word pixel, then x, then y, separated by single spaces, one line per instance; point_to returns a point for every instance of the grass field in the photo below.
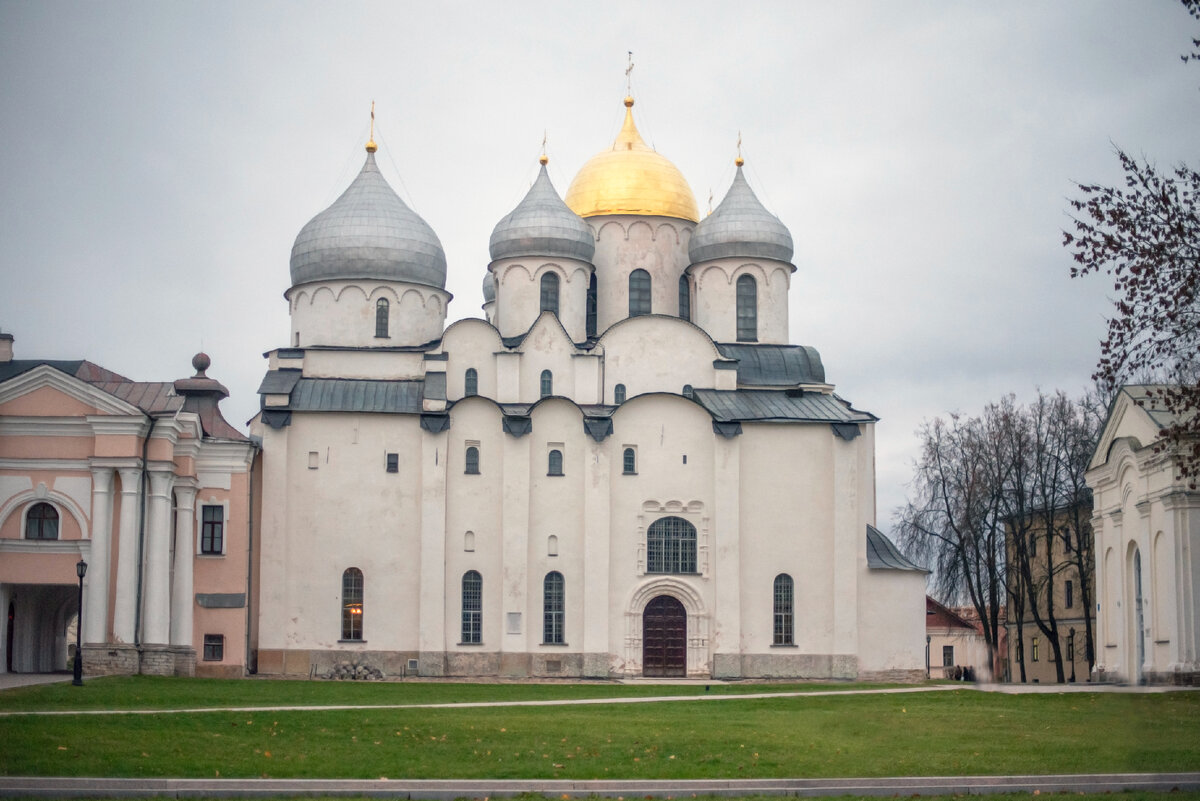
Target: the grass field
pixel 959 732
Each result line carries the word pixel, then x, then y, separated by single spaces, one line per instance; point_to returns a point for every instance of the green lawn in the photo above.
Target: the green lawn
pixel 947 733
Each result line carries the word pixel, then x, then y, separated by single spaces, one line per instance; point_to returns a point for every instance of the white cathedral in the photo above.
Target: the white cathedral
pixel 626 469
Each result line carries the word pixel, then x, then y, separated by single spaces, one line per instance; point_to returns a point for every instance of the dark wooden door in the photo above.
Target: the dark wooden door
pixel 664 638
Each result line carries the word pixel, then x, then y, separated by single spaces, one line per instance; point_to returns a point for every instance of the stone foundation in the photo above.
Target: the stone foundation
pixel 897 676
pixel 119 659
pixel 786 665
pixel 110 659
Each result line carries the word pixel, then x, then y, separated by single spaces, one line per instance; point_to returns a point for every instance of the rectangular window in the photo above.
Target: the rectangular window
pixel 393 463
pixel 947 656
pixel 212 530
pixel 1070 594
pixel 472 607
pixel 1033 649
pixel 214 647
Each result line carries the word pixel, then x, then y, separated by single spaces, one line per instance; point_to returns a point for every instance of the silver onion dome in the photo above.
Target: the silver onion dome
pixel 542 225
pixel 369 232
pixel 740 227
pixel 489 287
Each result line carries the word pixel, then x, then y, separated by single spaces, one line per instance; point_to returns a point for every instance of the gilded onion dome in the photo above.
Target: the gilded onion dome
pixel 740 227
pixel 542 225
pixel 369 232
pixel 631 178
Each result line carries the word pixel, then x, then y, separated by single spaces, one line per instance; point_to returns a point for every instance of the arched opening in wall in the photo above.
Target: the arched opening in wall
pixel 619 394
pixel 549 295
pixel 553 604
pixel 41 523
pixel 685 299
pixel 671 546
pixel 664 638
pixel 381 318
pixel 39 627
pixel 592 312
pixel 639 293
pixel 352 604
pixel 469 541
pixel 470 382
pixel 554 466
pixel 747 309
pixel 547 382
pixel 472 608
pixel 784 610
pixel 1139 621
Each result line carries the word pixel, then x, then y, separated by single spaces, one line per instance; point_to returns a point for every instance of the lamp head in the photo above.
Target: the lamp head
pixel 81 569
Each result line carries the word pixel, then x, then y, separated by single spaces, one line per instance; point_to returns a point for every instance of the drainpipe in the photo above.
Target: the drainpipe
pixel 255 449
pixel 137 612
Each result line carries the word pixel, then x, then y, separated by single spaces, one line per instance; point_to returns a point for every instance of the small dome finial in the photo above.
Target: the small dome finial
pixel 200 363
pixel 628 101
pixel 371 146
pixel 739 161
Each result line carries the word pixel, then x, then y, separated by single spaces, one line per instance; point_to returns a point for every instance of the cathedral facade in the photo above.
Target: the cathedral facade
pixel 624 469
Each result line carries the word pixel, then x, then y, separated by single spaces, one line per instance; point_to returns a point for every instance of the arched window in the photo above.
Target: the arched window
pixel 555 467
pixel 619 394
pixel 629 459
pixel 552 545
pixel 550 292
pixel 639 293
pixel 381 317
pixel 784 610
pixel 671 546
pixel 41 523
pixel 469 541
pixel 552 609
pixel 688 392
pixel 747 309
pixel 472 461
pixel 591 306
pixel 685 299
pixel 470 382
pixel 472 607
pixel 547 383
pixel 352 604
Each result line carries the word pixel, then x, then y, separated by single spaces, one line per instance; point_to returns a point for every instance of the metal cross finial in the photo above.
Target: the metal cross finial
pixel 543 158
pixel 739 144
pixel 628 70
pixel 710 197
pixel 371 146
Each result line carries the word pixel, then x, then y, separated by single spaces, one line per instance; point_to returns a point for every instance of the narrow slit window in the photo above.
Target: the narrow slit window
pixel 352 604
pixel 472 607
pixel 381 318
pixel 747 309
pixel 685 299
pixel 547 383
pixel 470 382
pixel 629 462
pixel 784 609
pixel 552 609
pixel 472 461
pixel 619 394
pixel 591 306
pixel 639 293
pixel 549 292
pixel 555 463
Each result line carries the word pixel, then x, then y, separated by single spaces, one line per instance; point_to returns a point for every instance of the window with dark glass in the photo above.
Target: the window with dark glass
pixel 472 607
pixel 381 317
pixel 747 309
pixel 630 462
pixel 1033 649
pixel 685 299
pixel 212 529
pixel 619 394
pixel 552 609
pixel 639 293
pixel 393 463
pixel 688 392
pixel 472 460
pixel 1070 592
pixel 555 464
pixel 550 292
pixel 1066 532
pixel 352 604
pixel 470 382
pixel 947 656
pixel 1033 544
pixel 547 383
pixel 671 546
pixel 591 306
pixel 783 609
pixel 214 647
pixel 42 522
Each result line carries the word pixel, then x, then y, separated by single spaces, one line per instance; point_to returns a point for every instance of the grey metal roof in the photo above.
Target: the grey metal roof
pixel 542 225
pixel 775 365
pixel 369 232
pixel 772 405
pixel 356 395
pixel 489 287
pixel 883 555
pixel 740 227
pixel 279 382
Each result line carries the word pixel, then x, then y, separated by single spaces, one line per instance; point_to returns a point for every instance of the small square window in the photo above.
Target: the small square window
pixel 947 656
pixel 313 458
pixel 393 463
pixel 214 647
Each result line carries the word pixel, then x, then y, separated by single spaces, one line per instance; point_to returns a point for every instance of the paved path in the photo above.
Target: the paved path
pixel 10 680
pixel 482 788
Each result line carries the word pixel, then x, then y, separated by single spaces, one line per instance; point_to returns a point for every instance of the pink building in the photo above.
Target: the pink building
pixel 149 485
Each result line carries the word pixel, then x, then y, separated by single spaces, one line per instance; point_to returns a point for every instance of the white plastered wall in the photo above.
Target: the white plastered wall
pixel 342 313
pixel 625 243
pixel 714 303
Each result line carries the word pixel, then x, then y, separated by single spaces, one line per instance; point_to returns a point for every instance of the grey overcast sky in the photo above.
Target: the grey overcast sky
pixel 158 159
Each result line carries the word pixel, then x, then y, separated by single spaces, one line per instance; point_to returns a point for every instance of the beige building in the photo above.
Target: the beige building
pixel 1147 528
pixel 626 469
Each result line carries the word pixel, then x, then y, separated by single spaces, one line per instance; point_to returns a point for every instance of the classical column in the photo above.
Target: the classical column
pixel 95 606
pixel 157 600
pixel 125 605
pixel 185 551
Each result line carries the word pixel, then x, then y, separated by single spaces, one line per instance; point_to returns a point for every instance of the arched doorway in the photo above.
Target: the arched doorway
pixel 664 638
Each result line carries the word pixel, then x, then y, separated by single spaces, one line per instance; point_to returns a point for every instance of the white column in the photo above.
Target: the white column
pixel 95 605
pixel 725 558
pixel 156 626
pixel 433 638
pixel 185 551
pixel 125 605
pixel 596 577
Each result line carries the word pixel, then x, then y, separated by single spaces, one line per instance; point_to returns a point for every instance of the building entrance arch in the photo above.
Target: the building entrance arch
pixel 664 638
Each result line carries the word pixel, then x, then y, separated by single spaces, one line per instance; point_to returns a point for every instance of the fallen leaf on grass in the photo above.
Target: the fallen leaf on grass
pixel 62 748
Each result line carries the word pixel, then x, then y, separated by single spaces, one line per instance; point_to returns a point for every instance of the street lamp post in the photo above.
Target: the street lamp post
pixel 80 570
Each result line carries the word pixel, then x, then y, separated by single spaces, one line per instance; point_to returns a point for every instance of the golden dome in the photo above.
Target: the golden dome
pixel 631 178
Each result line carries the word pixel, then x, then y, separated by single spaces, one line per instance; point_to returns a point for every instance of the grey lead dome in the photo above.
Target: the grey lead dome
pixel 542 225
pixel 369 232
pixel 740 227
pixel 489 287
